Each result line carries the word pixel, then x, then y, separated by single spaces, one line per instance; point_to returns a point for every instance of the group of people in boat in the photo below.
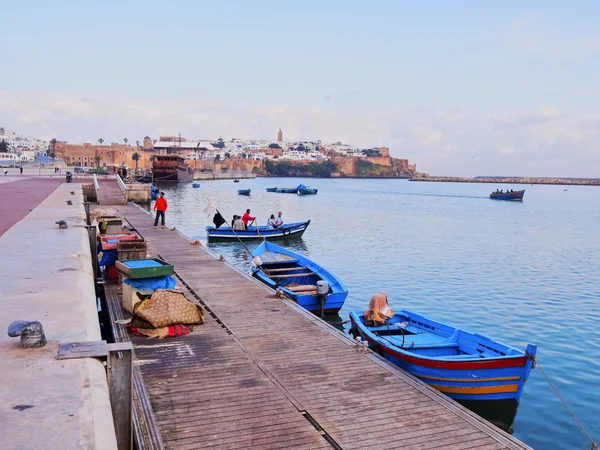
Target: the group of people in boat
pixel 502 192
pixel 241 222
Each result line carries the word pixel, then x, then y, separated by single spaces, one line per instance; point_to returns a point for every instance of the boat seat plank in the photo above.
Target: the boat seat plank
pixel 293 275
pixel 420 341
pixel 301 288
pixel 286 269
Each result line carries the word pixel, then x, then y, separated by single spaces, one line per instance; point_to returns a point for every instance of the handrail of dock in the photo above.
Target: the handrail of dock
pixel 122 186
pixel 96 185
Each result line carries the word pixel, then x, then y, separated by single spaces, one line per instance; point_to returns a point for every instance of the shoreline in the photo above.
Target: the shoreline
pixel 531 181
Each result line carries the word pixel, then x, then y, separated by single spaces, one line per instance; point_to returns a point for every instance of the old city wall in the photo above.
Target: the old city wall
pixel 114 154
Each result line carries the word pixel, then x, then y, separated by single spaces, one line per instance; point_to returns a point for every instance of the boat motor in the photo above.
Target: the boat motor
pixel 322 292
pixel 68 177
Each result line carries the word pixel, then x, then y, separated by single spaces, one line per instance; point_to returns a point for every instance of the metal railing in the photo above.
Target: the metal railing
pixel 96 186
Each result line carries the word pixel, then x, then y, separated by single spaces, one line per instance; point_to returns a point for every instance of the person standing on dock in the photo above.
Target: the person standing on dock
pixel 160 206
pixel 247 217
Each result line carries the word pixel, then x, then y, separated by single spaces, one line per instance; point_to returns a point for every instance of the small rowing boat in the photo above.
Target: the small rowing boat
pixel 272 189
pixel 244 191
pixel 465 366
pixel 298 277
pixel 513 195
pixel 224 232
pixel 306 190
pixel 287 190
pixel 195 185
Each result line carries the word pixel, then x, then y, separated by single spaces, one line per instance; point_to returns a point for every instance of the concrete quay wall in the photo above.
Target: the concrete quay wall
pixel 46 275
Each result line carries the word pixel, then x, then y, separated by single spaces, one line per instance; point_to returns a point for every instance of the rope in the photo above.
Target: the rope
pixel 337 323
pixel 594 445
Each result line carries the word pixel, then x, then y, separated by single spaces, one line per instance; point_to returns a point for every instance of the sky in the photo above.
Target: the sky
pixel 460 88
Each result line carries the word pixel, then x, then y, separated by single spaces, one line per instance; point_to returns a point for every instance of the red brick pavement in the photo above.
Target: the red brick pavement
pixel 18 198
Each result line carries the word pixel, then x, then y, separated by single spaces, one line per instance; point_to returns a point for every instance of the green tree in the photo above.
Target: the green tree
pixel 100 141
pixel 3 146
pixel 125 140
pixel 136 157
pixel 98 158
pixel 137 143
pixel 227 155
pixel 274 145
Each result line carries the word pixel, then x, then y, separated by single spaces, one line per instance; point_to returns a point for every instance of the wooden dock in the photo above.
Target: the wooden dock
pixel 109 193
pixel 264 373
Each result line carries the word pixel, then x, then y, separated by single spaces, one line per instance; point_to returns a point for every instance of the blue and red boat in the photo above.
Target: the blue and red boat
pixel 512 195
pixel 465 366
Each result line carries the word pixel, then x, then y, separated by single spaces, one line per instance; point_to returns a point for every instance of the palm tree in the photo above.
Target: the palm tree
pixel 98 158
pixel 125 140
pixel 100 141
pixel 137 143
pixel 136 157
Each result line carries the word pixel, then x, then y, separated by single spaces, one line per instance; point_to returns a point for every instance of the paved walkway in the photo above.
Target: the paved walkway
pixel 46 275
pixel 20 197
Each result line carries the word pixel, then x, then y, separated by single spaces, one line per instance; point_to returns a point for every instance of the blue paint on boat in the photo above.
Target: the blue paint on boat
pixel 515 195
pixel 244 191
pixel 463 365
pixel 306 190
pixel 195 185
pixel 297 276
pixel 272 189
pixel 287 190
pixel 295 229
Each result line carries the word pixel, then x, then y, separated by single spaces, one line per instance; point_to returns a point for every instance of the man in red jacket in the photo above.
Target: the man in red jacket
pixel 247 217
pixel 160 206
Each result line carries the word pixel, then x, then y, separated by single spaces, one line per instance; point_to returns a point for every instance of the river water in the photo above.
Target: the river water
pixel 519 272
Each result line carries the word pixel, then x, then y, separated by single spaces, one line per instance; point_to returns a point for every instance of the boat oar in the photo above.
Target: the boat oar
pixel 236 235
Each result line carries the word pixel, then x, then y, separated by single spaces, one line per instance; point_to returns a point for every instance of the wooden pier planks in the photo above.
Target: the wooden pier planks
pixel 357 399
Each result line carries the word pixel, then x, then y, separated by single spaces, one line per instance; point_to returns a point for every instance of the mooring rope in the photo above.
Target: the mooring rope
pixel 594 445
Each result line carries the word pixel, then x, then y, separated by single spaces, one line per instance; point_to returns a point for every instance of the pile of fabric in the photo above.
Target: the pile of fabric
pixel 95 214
pixel 379 311
pixel 166 313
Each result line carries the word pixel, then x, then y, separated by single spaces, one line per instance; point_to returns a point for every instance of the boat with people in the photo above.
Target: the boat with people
pixel 508 195
pixel 463 365
pixel 306 190
pixel 272 189
pixel 309 284
pixel 225 232
pixel 244 191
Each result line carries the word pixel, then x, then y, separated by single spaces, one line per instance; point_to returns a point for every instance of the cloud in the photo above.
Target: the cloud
pixel 544 141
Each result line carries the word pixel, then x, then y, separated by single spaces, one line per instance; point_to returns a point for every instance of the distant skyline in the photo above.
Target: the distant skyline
pixel 459 87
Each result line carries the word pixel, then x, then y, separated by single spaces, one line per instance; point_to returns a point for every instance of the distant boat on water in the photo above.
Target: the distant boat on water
pixel 306 190
pixel 195 185
pixel 514 195
pixel 244 191
pixel 272 189
pixel 287 190
pixel 236 181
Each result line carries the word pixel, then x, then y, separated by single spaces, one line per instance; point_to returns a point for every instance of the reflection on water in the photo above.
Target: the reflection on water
pixel 518 272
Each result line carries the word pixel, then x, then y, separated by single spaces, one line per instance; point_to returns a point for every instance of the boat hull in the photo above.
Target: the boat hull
pixel 287 231
pixel 468 379
pixel 334 300
pixel 302 191
pixel 286 190
pixel 244 191
pixel 518 195
pixel 272 189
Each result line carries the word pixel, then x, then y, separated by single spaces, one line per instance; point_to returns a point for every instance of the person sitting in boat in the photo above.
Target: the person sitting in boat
pixel 247 218
pixel 279 221
pixel 233 220
pixel 379 310
pixel 238 224
pixel 271 222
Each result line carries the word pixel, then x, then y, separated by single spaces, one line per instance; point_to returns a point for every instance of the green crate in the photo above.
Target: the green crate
pixel 144 268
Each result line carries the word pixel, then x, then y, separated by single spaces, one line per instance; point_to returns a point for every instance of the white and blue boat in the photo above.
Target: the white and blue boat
pixel 465 366
pixel 297 276
pixel 224 232
pixel 306 190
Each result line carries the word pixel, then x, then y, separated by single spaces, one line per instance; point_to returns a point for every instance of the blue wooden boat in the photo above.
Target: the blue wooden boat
pixel 195 185
pixel 154 191
pixel 515 195
pixel 236 181
pixel 244 191
pixel 272 189
pixel 465 366
pixel 306 190
pixel 297 277
pixel 287 190
pixel 295 229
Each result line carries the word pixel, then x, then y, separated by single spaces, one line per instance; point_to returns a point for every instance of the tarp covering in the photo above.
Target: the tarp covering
pixel 379 310
pixel 151 284
pixel 109 258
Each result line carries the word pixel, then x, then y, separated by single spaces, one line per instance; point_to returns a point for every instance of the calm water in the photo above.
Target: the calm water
pixel 519 272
